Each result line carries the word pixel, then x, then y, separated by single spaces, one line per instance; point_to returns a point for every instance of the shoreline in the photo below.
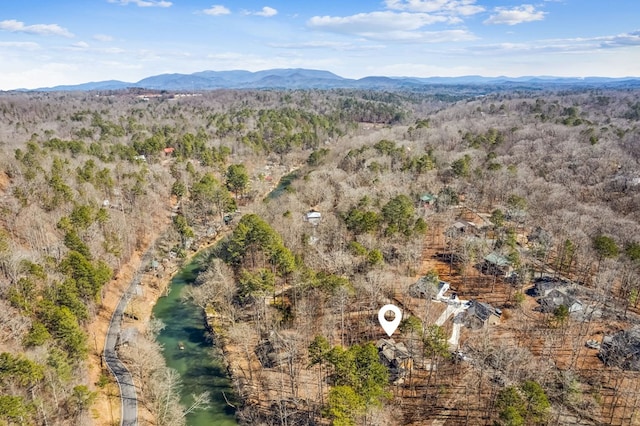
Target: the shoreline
pixel 141 306
pixel 140 312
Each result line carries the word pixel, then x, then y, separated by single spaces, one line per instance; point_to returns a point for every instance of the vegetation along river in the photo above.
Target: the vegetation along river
pixel 189 350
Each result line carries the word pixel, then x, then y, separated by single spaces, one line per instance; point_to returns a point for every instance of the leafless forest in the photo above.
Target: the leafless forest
pixel 526 202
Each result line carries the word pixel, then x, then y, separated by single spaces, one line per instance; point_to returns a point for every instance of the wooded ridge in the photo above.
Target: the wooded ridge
pixel 298 78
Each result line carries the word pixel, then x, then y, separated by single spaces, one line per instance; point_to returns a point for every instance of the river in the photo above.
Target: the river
pixel 200 367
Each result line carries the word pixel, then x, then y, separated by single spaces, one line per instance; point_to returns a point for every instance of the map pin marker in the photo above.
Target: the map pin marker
pixel 389 326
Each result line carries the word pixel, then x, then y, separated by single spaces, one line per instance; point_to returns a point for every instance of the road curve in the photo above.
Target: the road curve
pixel 128 396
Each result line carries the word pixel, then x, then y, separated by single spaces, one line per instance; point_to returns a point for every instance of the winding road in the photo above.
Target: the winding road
pixel 128 396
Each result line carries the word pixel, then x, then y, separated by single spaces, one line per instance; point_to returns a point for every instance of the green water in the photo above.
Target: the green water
pixel 199 368
pixel 283 185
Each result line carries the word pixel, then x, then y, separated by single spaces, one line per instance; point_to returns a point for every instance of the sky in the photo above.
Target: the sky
pixel 45 43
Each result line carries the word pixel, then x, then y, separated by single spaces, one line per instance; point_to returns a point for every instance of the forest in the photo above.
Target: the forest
pixel 504 224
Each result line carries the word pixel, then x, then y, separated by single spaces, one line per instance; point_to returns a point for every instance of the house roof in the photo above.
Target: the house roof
pixel 391 350
pixel 558 297
pixel 497 259
pixel 428 198
pixel 482 310
pixel 544 285
pixel 461 224
pixel 424 287
pixel 622 349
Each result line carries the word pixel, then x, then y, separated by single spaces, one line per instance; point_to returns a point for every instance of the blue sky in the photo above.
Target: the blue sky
pixel 46 43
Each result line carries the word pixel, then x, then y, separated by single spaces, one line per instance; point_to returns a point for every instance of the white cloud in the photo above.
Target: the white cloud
pixel 216 10
pixel 14 26
pixel 267 12
pixel 454 7
pixel 374 22
pixel 333 45
pixel 143 3
pixel 113 50
pixel 80 45
pixel 20 45
pixel 445 36
pixel 568 45
pixel 516 15
pixel 620 40
pixel 103 37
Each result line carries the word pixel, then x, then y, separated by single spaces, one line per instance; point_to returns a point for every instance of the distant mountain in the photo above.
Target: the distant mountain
pixel 299 78
pixel 98 85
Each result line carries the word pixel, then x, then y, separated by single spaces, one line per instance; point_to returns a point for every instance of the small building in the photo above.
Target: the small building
pixel 169 151
pixel 622 349
pixel 480 315
pixel 428 200
pixel 396 357
pixel 496 264
pixel 462 227
pixel 313 217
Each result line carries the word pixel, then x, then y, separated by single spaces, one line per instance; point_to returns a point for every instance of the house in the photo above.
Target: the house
pixel 426 288
pixel 544 285
pixel 496 264
pixel 428 200
pixel 479 315
pixel 313 217
pixel 396 357
pixel 461 227
pixel 553 292
pixel 558 297
pixel 622 349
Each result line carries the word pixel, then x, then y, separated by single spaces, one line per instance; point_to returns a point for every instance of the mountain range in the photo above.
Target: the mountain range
pixel 298 78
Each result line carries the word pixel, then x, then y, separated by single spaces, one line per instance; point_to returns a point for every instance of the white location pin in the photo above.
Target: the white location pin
pixel 389 326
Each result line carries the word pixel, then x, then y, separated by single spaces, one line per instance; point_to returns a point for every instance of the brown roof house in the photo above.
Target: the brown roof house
pixel 396 357
pixel 480 314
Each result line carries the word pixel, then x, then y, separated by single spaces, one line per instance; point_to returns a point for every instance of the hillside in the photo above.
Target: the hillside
pixel 493 194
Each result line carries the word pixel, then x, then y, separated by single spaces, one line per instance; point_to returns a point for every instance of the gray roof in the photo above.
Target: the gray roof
pixel 497 259
pixel 392 351
pixel 558 297
pixel 482 310
pixel 622 349
pixel 544 285
pixel 424 287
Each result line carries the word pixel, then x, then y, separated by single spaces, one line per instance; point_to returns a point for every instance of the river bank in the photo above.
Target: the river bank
pixel 105 410
pixel 189 349
pixel 154 285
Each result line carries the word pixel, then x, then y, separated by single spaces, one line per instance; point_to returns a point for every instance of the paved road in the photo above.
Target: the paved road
pixel 128 396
